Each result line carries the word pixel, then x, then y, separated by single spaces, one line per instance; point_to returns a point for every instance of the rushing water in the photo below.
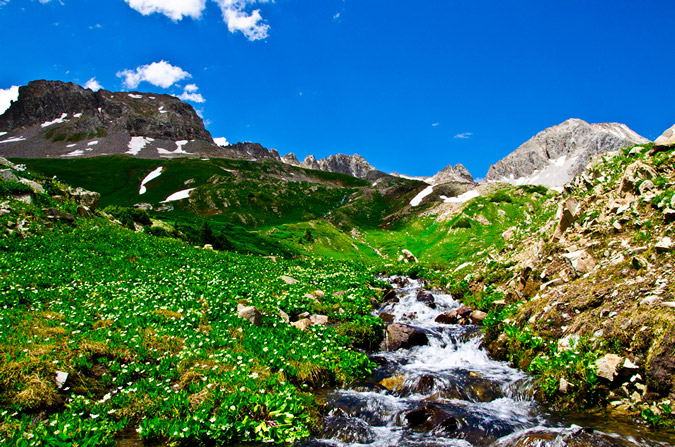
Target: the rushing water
pixel 451 393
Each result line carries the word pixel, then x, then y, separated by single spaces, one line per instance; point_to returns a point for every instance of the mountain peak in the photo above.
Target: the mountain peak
pixel 556 155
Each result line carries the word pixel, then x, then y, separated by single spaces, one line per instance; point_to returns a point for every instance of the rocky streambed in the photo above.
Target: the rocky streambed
pixel 436 386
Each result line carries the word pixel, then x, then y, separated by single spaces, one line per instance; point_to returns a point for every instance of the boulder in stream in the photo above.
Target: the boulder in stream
pixel 348 430
pixel 403 336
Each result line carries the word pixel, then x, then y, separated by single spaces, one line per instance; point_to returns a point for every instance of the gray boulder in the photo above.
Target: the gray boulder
pixel 403 336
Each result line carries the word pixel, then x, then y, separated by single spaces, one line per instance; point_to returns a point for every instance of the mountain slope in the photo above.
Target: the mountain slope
pixel 557 154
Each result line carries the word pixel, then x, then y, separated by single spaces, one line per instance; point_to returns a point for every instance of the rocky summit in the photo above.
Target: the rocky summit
pixel 556 155
pixel 57 119
pixel 354 165
pixel 450 174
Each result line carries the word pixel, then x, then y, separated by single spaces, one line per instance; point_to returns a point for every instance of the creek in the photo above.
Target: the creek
pixel 449 392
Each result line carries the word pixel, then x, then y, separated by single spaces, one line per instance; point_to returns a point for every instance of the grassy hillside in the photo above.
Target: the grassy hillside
pixel 147 331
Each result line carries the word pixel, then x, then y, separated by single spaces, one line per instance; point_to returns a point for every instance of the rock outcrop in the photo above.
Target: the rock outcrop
pixel 556 155
pixel 667 139
pixel 452 174
pixel 354 165
pixel 57 119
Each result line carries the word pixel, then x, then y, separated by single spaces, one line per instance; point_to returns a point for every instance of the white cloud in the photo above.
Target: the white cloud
pixel 161 74
pixel 7 96
pixel 235 13
pixel 190 94
pixel 464 135
pixel 173 9
pixel 434 125
pixel 93 84
pixel 238 19
pixel 221 141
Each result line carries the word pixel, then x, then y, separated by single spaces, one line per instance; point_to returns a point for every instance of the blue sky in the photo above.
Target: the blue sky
pixel 411 86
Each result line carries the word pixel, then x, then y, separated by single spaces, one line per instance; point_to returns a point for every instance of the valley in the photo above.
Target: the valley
pixel 209 295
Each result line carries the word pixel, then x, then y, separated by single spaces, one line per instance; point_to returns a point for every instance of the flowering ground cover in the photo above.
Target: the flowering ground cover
pixel 147 330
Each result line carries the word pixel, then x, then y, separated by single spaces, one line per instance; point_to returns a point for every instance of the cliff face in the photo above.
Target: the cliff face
pixel 556 155
pixel 139 114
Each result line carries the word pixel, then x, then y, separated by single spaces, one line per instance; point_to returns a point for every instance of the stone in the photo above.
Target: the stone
pixel 407 256
pixel 35 187
pixel 568 213
pixel 303 324
pixel 84 197
pixel 564 386
pixel 464 311
pixel 144 206
pixel 477 317
pixel 318 320
pixel 393 383
pixel 552 283
pixel 403 336
pixel 633 175
pixel 608 366
pixel 61 378
pixel 664 245
pixel 645 187
pixel 426 298
pixel 284 316
pixel 669 215
pixel 208 247
pixel 8 175
pixel 580 261
pixel 639 262
pixel 288 280
pixel 650 300
pixel 387 317
pixel 666 139
pixel 53 213
pixel 347 430
pixel 509 233
pixel 430 417
pixel 249 313
pixel 447 317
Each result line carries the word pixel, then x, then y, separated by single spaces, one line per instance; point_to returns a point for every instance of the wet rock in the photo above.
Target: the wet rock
pixel 400 282
pixel 303 324
pixel 556 437
pixel 464 311
pixel 448 317
pixel 393 383
pixel 664 245
pixel 389 296
pixel 426 298
pixel 423 384
pixel 477 317
pixel 403 336
pixel 430 417
pixel 249 313
pixel 347 430
pixel 608 366
pixel 387 317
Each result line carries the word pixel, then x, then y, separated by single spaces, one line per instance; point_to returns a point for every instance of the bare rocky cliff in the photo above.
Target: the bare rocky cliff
pixel 557 154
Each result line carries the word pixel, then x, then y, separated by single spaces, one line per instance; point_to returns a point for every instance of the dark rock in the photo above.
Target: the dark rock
pixel 661 367
pixel 403 336
pixel 387 317
pixel 426 298
pixel 568 438
pixel 464 311
pixel 430 417
pixel 347 430
pixel 447 317
pixel 42 101
pixel 53 213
